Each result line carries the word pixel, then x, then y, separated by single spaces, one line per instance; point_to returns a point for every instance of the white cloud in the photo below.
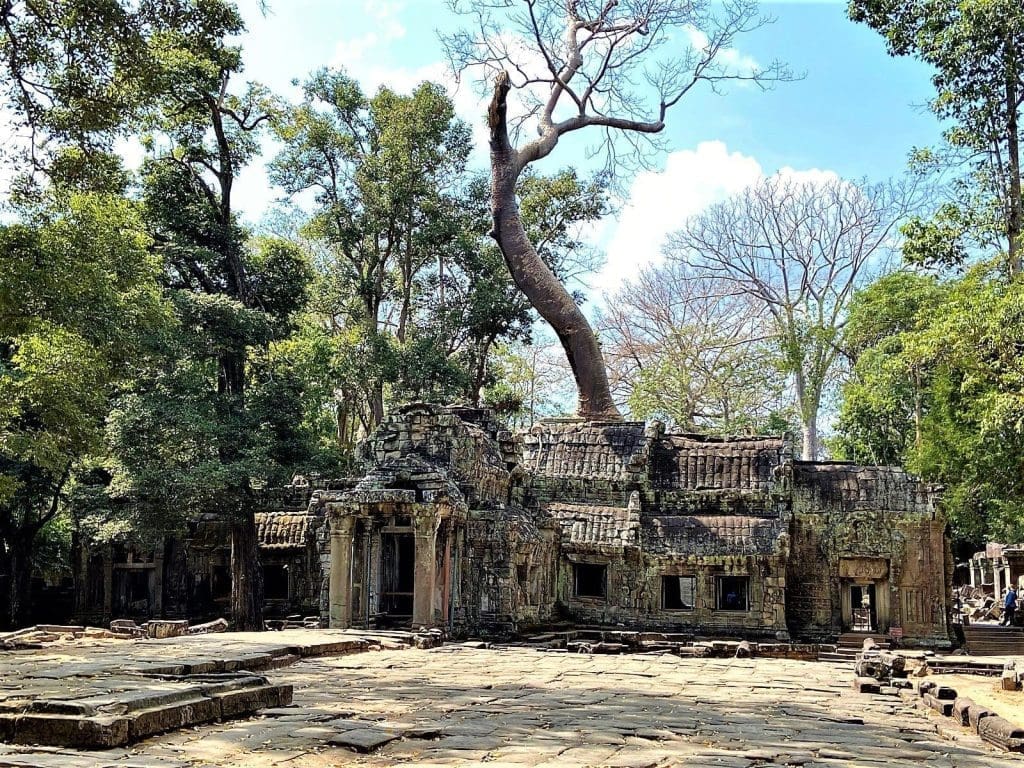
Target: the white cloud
pixel 732 61
pixel 387 29
pixel 660 202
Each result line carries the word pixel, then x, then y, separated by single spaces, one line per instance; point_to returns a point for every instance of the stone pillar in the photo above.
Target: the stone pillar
pixel 970 570
pixel 997 580
pixel 423 574
pixel 340 586
pixel 158 582
pixel 108 585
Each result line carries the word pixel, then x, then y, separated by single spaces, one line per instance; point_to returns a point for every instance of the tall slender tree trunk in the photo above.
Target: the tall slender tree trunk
pixel 532 276
pixel 808 402
pixel 1015 223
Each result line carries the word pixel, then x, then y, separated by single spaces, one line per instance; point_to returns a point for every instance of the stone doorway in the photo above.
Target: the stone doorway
pixel 864 608
pixel 864 592
pixel 397 575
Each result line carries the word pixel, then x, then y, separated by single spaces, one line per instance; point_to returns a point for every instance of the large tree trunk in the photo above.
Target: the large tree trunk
pixel 246 579
pixel 19 589
pixel 532 276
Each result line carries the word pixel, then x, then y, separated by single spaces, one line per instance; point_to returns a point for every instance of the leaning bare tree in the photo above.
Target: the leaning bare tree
pixel 613 66
pixel 799 248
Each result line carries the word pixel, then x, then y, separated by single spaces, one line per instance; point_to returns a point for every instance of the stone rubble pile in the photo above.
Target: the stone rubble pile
pixel 39 635
pixel 880 672
pixel 977 607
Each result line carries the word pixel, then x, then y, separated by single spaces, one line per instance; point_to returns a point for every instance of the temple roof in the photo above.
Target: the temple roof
pixel 851 487
pixel 282 530
pixel 700 463
pixel 718 535
pixel 591 524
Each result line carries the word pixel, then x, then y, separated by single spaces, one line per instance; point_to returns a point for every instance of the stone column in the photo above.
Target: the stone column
pixel 997 579
pixel 970 570
pixel 158 583
pixel 340 587
pixel 108 585
pixel 423 574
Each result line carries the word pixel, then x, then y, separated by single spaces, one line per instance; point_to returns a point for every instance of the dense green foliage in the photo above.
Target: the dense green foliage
pixel 976 50
pixel 936 381
pixel 938 385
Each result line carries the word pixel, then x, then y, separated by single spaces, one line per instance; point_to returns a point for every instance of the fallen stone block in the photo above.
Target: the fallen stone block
pixel 1008 681
pixel 976 714
pixel 743 650
pixel 127 628
pixel 961 710
pixel 161 628
pixel 943 692
pixel 866 685
pixel 1001 732
pixel 217 625
pixel 943 706
pixel 61 628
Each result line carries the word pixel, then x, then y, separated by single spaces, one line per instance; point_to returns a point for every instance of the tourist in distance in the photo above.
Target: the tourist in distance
pixel 1009 606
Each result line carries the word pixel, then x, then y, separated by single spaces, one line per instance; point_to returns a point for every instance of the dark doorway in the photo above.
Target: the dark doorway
pixel 678 593
pixel 275 582
pixel 862 603
pixel 590 579
pixel 398 552
pixel 733 593
pixel 132 591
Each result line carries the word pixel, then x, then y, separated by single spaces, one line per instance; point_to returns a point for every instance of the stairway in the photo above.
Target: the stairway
pixel 994 640
pixel 850 644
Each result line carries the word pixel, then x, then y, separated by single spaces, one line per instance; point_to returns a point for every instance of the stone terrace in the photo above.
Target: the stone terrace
pixel 461 706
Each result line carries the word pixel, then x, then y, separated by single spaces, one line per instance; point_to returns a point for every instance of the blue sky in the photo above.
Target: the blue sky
pixel 857 112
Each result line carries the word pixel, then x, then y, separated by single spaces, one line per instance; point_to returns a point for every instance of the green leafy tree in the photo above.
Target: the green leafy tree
pixel 888 393
pixel 976 50
pixel 79 301
pixel 381 170
pixel 231 296
pixel 937 386
pixel 410 295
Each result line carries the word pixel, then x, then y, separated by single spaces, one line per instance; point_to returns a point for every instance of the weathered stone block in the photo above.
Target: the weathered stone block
pixel 944 706
pixel 70 731
pixel 961 710
pixel 976 714
pixel 160 628
pixel 1001 732
pixel 866 685
pixel 194 711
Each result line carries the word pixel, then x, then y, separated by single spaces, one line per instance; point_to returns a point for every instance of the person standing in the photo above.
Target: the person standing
pixel 1009 606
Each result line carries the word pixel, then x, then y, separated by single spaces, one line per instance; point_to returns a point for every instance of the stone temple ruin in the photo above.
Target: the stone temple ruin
pixel 458 524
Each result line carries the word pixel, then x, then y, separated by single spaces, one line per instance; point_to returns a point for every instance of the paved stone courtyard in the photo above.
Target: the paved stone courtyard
pixel 459 706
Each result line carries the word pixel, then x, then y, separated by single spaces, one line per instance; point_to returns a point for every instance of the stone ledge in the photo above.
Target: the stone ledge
pixel 97 703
